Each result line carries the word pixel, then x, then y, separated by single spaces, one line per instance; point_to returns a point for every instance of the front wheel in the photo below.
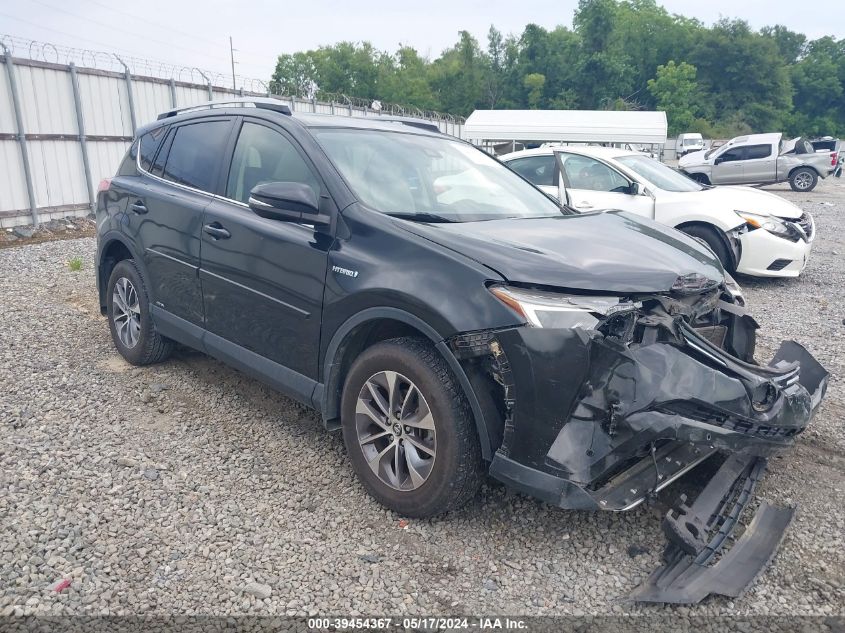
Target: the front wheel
pixel 803 179
pixel 712 238
pixel 408 429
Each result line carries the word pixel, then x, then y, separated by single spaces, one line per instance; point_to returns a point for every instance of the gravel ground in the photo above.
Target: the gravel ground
pixel 188 488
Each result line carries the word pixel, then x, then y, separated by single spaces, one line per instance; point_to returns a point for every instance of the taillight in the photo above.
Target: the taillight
pixel 834 158
pixel 104 185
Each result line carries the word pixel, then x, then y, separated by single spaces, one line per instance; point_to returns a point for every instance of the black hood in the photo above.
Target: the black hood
pixel 612 251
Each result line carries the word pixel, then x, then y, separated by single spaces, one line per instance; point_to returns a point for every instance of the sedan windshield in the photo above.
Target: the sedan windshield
pixel 430 178
pixel 658 174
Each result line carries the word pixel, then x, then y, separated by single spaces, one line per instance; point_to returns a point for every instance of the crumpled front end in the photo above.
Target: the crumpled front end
pixel 601 417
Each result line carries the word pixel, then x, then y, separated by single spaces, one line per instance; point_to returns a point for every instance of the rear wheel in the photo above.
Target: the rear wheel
pixel 408 429
pixel 803 179
pixel 714 240
pixel 128 309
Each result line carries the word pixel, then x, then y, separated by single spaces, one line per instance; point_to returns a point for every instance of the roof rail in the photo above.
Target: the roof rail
pixel 264 103
pixel 413 122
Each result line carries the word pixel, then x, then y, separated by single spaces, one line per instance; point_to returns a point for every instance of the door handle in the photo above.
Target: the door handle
pixel 216 231
pixel 139 208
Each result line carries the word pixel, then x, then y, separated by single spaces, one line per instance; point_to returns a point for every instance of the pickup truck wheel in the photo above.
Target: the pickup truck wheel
pixel 128 309
pixel 715 241
pixel 408 429
pixel 803 179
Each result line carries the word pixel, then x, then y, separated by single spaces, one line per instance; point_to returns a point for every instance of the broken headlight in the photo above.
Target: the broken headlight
pixel 555 310
pixel 734 290
pixel 770 223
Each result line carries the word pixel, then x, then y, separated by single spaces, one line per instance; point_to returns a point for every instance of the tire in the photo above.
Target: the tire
pixel 450 470
pixel 715 241
pixel 803 179
pixel 700 178
pixel 146 346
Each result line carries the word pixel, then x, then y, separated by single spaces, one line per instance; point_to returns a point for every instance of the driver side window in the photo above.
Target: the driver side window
pixel 583 172
pixel 732 155
pixel 263 155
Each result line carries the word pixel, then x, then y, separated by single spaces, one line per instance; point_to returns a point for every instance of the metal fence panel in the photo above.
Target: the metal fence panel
pixel 48 100
pixel 105 105
pixel 12 184
pixel 57 173
pixel 113 100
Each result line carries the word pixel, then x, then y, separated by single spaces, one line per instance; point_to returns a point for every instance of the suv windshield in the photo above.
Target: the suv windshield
pixel 658 174
pixel 429 178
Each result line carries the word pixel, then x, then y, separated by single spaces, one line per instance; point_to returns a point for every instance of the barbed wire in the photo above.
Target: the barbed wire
pixel 143 67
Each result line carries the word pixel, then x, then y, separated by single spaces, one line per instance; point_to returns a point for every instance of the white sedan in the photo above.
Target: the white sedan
pixel 751 231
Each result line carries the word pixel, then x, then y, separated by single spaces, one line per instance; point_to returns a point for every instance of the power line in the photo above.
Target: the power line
pixel 126 31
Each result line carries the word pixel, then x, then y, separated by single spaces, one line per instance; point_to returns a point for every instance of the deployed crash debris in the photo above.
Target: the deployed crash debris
pixel 697 534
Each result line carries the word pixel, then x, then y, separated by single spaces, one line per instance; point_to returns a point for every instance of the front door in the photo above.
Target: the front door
pixel 728 167
pixel 595 186
pixel 262 280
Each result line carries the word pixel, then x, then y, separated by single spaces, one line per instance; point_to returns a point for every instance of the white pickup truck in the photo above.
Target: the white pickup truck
pixel 760 159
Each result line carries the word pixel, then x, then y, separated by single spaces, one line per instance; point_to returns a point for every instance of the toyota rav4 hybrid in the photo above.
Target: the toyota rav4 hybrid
pixel 751 231
pixel 452 320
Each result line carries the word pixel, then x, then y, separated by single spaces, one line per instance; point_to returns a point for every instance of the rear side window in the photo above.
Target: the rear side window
pixel 195 154
pixel 758 151
pixel 539 170
pixel 148 146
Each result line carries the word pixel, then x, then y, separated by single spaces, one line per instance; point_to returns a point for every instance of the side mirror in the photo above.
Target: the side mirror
pixel 719 161
pixel 287 202
pixel 635 189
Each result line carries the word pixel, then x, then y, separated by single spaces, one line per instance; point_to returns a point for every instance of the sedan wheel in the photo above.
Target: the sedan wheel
pixel 395 429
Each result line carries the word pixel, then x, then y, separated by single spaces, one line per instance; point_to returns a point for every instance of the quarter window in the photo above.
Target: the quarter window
pixel 263 155
pixel 195 153
pixel 539 170
pixel 148 146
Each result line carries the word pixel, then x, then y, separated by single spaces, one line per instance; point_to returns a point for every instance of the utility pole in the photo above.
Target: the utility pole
pixel 232 55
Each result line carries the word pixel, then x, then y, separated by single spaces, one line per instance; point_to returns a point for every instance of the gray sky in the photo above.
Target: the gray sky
pixel 197 33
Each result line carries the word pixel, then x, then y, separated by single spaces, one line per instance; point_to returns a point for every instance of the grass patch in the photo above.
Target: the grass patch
pixel 75 264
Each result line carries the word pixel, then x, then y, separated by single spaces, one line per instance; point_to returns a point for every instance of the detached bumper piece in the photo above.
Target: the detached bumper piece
pixel 697 534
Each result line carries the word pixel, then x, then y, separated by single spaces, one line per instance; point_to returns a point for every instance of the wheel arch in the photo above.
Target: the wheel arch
pixel 810 167
pixel 115 248
pixel 733 246
pixel 371 326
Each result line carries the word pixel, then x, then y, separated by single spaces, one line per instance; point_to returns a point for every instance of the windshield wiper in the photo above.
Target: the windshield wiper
pixel 421 217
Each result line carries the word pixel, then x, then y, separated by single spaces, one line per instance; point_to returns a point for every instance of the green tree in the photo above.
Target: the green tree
pixel 534 84
pixel 675 90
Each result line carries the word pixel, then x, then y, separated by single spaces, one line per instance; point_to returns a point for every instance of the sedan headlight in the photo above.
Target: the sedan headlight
pixel 768 222
pixel 555 310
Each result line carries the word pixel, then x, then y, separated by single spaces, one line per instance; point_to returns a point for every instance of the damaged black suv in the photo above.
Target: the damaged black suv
pixel 451 319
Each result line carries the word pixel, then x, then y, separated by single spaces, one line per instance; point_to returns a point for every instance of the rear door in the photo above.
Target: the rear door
pixel 759 163
pixel 728 167
pixel 166 214
pixel 263 279
pixel 593 185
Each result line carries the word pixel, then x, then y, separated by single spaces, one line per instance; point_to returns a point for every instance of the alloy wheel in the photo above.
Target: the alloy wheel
pixel 395 429
pixel 803 180
pixel 126 312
